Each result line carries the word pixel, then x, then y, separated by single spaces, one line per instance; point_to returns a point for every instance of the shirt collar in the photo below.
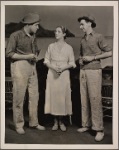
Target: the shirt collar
pixel 27 34
pixel 92 33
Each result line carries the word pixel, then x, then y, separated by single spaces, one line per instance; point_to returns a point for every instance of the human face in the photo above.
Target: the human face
pixel 34 27
pixel 85 26
pixel 59 33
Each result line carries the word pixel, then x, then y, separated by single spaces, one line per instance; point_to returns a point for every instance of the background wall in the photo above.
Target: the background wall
pixel 51 16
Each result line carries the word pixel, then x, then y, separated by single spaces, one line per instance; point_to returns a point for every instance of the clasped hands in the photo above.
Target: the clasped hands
pixel 86 59
pixel 59 70
pixel 33 57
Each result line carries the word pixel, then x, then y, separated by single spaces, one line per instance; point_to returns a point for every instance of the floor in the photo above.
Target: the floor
pixel 71 136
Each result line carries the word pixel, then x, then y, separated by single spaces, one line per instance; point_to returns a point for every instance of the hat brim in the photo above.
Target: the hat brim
pixel 88 19
pixel 30 22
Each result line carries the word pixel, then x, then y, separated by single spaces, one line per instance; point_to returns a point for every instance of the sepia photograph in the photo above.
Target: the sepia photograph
pixel 59 75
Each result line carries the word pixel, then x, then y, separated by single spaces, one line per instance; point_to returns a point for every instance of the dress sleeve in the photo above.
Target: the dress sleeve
pixel 104 46
pixel 71 58
pixel 47 56
pixel 11 46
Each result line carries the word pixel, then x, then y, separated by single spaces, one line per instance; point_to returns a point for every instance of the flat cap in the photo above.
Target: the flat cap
pixel 31 18
pixel 88 18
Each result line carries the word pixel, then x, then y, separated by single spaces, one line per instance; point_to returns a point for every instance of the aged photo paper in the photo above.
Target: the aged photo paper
pixel 53 14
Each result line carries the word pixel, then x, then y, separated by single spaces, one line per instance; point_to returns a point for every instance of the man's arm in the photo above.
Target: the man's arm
pixel 97 57
pixel 16 56
pixel 106 50
pixel 11 45
pixel 105 47
pixel 11 50
pixel 103 55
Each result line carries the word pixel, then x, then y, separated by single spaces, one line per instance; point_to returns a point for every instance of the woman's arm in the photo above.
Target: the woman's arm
pixel 55 68
pixel 66 67
pixel 50 66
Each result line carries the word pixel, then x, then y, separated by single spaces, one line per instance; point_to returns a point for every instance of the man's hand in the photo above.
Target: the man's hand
pixel 88 58
pixel 32 57
pixel 81 60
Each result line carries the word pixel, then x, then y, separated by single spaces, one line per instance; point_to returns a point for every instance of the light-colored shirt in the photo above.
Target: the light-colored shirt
pixel 60 57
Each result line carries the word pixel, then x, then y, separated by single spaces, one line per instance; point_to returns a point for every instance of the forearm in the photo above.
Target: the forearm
pixel 58 69
pixel 20 57
pixel 104 55
pixel 66 67
pixel 50 66
pixel 31 57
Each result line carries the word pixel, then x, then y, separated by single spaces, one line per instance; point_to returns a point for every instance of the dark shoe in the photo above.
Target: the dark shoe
pixel 20 131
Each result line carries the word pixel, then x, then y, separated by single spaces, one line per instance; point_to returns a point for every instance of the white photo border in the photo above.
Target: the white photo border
pixel 115 76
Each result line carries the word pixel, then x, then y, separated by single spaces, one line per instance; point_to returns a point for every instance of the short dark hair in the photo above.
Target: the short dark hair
pixel 87 19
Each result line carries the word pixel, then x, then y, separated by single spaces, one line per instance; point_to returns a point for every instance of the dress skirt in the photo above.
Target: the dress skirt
pixel 58 93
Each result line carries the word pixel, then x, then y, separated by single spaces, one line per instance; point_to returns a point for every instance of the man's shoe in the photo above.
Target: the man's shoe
pixel 84 129
pixel 39 127
pixel 55 127
pixel 99 136
pixel 20 131
pixel 62 127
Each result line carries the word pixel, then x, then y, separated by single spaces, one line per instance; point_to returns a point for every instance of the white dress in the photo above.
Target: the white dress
pixel 58 91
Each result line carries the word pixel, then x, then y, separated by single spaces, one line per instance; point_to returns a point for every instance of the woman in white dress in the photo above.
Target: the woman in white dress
pixel 59 58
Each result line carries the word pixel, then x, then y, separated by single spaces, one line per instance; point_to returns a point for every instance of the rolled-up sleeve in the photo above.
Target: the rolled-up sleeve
pixel 11 46
pixel 47 56
pixel 103 44
pixel 71 58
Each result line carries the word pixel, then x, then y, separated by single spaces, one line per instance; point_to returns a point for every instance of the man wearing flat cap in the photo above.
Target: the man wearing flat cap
pixel 22 51
pixel 93 48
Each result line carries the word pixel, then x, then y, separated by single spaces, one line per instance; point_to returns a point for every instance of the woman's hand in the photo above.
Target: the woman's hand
pixel 61 69
pixel 58 70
